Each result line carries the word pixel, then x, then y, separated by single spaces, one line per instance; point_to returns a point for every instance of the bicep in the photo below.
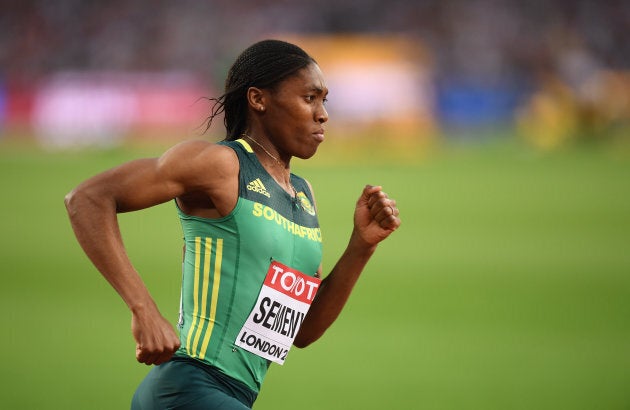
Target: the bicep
pixel 146 182
pixel 131 186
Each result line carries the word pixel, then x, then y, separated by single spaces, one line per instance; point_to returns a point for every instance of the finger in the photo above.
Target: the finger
pixel 167 353
pixel 387 216
pixel 156 356
pixel 393 221
pixel 163 358
pixel 382 206
pixel 368 191
pixel 143 355
pixel 375 198
pixel 151 359
pixel 148 354
pixel 386 212
pixel 390 223
pixel 392 206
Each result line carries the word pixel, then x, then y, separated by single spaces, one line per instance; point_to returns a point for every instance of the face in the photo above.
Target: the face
pixel 295 114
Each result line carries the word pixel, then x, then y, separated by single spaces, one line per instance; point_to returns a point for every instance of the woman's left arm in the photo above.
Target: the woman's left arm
pixel 375 218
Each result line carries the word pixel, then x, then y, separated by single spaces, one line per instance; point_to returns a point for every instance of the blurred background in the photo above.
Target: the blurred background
pixel 76 72
pixel 502 128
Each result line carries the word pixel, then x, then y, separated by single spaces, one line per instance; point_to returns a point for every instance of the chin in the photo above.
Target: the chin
pixel 308 154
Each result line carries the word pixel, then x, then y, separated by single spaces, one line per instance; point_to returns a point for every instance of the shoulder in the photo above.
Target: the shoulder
pixel 305 182
pixel 199 155
pixel 198 164
pixel 199 150
pixel 207 174
pixel 308 187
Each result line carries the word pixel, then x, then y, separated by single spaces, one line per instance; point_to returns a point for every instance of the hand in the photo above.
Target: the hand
pixel 156 340
pixel 375 216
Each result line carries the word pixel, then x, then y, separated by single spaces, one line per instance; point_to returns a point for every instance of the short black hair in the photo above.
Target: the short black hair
pixel 263 65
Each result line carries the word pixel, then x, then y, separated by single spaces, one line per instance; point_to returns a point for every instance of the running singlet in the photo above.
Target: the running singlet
pixel 226 261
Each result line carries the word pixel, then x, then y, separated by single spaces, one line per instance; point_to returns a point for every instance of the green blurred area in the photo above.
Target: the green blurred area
pixel 507 286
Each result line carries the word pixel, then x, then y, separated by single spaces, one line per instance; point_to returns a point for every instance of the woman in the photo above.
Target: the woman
pixel 252 243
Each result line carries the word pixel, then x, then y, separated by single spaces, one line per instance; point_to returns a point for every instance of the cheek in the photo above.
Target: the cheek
pixel 291 117
pixel 296 108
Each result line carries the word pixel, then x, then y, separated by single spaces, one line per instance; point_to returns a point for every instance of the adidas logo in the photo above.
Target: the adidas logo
pixel 257 186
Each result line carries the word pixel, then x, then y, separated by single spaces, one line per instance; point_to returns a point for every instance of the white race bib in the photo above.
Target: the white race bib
pixel 275 320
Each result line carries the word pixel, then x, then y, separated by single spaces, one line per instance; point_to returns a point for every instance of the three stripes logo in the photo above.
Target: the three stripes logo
pixel 257 186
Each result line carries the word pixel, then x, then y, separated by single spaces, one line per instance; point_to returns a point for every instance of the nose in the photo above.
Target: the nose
pixel 321 116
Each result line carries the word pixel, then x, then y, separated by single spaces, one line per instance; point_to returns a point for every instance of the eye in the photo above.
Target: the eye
pixel 325 100
pixel 309 98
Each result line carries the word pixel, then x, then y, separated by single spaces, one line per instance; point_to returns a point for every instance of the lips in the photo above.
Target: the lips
pixel 319 135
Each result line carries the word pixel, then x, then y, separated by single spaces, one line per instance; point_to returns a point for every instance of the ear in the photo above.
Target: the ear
pixel 256 99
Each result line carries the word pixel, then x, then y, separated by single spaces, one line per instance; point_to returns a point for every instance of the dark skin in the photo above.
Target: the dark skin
pixel 287 121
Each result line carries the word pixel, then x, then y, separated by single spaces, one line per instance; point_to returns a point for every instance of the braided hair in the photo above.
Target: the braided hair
pixel 263 65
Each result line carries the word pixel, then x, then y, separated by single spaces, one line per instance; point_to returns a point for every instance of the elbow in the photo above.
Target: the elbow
pixel 302 340
pixel 77 200
pixel 70 201
pixel 301 344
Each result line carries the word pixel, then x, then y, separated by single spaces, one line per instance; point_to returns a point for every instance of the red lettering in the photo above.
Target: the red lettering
pixel 292 283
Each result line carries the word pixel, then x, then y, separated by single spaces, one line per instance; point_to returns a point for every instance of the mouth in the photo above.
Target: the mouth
pixel 319 135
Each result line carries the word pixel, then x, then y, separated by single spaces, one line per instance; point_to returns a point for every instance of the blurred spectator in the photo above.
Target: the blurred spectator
pixel 489 56
pixel 478 38
pixel 3 105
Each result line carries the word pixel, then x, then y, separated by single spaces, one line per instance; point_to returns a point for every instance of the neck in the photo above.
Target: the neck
pixel 286 172
pixel 266 151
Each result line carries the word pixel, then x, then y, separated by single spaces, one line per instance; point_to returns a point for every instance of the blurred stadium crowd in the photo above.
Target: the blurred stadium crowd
pixel 553 68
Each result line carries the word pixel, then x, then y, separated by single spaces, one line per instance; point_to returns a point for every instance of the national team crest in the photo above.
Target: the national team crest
pixel 305 203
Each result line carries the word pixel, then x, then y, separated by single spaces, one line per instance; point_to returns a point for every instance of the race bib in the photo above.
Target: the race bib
pixel 275 320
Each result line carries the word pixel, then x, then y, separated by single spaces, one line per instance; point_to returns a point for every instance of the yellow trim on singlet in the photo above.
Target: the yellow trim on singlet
pixel 245 145
pixel 203 280
pixel 216 281
pixel 195 293
pixel 204 291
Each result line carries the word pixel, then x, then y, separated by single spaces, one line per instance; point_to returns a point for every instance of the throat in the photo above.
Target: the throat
pixel 282 173
pixel 284 181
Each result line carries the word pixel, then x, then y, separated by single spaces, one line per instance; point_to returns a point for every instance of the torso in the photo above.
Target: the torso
pixel 227 257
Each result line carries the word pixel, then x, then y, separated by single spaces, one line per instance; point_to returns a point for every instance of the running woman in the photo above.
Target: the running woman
pixel 251 283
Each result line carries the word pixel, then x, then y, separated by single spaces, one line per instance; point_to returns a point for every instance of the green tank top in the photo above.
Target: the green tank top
pixel 226 260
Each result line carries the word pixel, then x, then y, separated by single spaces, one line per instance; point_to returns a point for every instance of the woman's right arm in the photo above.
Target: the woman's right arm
pixel 93 206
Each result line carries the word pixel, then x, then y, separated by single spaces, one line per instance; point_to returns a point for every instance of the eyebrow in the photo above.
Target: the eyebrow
pixel 318 89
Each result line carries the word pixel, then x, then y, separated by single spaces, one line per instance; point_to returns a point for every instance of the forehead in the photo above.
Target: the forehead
pixel 308 78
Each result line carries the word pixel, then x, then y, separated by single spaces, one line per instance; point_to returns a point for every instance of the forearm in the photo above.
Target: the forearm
pixel 334 291
pixel 96 228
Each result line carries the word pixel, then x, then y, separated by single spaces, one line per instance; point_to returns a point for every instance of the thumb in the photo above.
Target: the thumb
pixel 368 191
